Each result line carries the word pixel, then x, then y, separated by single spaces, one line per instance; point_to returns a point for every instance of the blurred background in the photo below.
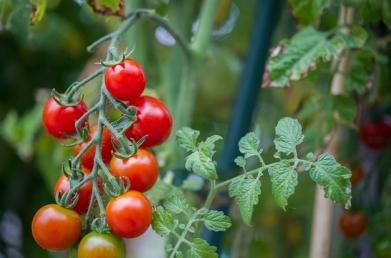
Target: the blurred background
pixel 51 54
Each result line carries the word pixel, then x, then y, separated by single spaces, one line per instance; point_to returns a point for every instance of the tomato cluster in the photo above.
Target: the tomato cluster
pixel 127 214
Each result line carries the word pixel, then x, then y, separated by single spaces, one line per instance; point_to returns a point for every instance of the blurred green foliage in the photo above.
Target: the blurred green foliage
pixel 51 54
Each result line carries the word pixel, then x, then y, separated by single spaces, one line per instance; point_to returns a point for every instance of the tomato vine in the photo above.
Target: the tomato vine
pixel 176 216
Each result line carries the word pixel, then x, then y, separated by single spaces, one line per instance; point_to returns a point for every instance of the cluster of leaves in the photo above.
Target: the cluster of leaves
pixel 314 52
pixel 178 218
pixel 295 58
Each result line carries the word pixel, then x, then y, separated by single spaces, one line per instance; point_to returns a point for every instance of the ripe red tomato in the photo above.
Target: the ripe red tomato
pixel 129 215
pixel 376 135
pixel 101 245
pixel 87 159
pixel 353 224
pixel 125 81
pixel 357 175
pixel 153 120
pixel 142 169
pixel 55 228
pixel 59 121
pixel 84 192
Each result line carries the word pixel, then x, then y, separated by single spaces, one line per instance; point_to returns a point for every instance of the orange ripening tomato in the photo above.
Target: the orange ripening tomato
pixel 55 228
pixel 129 215
pixel 141 169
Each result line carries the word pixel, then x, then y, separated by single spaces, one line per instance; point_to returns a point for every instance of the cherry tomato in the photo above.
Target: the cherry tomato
pixel 142 169
pixel 153 120
pixel 357 175
pixel 84 192
pixel 55 228
pixel 125 81
pixel 87 159
pixel 129 215
pixel 376 135
pixel 101 245
pixel 353 224
pixel 59 121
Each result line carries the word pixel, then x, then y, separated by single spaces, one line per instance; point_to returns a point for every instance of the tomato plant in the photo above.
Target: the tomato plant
pixel 150 112
pixel 101 245
pixel 141 169
pixel 59 121
pixel 145 122
pixel 56 228
pixel 353 224
pixel 126 80
pixel 129 215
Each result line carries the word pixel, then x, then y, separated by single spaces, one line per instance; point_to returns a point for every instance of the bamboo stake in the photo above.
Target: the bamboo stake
pixel 323 208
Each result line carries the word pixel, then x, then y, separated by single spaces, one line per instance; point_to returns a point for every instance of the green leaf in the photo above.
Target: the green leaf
pixel 210 141
pixel 178 204
pixel 162 222
pixel 240 161
pixel 386 13
pixel 202 165
pixel 356 38
pixel 38 10
pixel 334 178
pixel 288 135
pixel 161 191
pixel 249 145
pixel 308 12
pixel 245 191
pixel 215 220
pixel 21 132
pixel 305 50
pixel 187 138
pixel 201 249
pixel 284 181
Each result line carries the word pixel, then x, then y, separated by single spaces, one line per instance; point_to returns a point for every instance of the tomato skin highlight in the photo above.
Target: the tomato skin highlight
pixel 376 135
pixel 87 159
pixel 125 81
pixel 353 224
pixel 55 228
pixel 84 192
pixel 59 121
pixel 153 120
pixel 129 215
pixel 101 245
pixel 142 169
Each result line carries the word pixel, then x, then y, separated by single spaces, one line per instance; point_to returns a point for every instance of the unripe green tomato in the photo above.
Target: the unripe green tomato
pixel 101 245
